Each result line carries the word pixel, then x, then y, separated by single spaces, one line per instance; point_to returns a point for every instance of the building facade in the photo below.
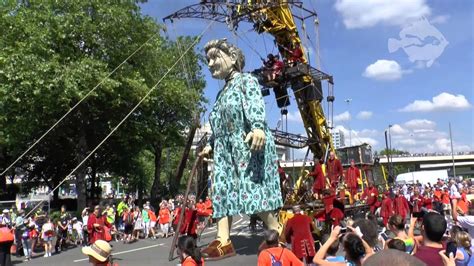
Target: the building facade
pixel 338 139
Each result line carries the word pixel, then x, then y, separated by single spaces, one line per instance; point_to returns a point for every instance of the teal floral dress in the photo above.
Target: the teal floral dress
pixel 244 181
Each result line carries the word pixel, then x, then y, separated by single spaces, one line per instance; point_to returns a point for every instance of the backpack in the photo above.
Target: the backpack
pixel 128 218
pixel 274 261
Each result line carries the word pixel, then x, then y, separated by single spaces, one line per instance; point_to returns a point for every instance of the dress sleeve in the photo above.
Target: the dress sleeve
pixel 254 107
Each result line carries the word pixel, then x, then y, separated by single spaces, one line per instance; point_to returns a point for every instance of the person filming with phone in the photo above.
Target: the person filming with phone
pixel 430 242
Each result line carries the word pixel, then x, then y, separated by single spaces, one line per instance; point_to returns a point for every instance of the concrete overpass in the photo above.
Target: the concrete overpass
pixel 464 163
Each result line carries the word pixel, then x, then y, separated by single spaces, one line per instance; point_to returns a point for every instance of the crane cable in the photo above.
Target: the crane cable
pixel 128 114
pixel 76 105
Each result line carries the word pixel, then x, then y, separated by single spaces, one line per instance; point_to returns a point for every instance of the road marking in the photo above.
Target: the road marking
pixel 235 223
pixel 232 229
pixel 128 251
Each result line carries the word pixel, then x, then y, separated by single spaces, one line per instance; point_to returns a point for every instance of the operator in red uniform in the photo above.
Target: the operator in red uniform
pixel 386 211
pixel 333 209
pixel 298 232
pixel 416 200
pixel 370 196
pixel 400 205
pixel 352 176
pixel 319 179
pixel 333 169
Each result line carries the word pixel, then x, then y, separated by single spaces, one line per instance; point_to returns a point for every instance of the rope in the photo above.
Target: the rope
pixel 184 62
pixel 129 113
pixel 247 42
pixel 76 105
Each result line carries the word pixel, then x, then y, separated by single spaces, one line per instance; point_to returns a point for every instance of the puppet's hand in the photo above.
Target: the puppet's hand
pixel 258 139
pixel 205 152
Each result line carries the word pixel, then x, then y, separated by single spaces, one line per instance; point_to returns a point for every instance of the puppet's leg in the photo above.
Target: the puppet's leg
pixel 270 219
pixel 223 229
pixel 221 247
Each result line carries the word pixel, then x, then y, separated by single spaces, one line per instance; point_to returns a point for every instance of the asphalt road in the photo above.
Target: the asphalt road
pixel 155 252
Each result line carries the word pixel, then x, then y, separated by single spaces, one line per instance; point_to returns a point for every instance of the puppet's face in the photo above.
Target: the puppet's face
pixel 220 63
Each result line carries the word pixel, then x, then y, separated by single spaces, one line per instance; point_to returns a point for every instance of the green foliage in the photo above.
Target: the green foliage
pixel 384 152
pixel 54 52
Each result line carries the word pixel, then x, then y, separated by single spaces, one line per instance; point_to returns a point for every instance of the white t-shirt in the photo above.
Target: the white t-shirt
pixel 453 189
pixel 47 227
pixel 85 219
pixel 468 223
pixel 77 226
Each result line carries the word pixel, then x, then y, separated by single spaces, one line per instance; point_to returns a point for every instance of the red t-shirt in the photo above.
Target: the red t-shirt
pixel 429 255
pixel 152 216
pixel 164 215
pixel 445 198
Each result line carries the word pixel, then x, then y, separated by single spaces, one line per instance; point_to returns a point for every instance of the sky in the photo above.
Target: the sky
pixel 405 63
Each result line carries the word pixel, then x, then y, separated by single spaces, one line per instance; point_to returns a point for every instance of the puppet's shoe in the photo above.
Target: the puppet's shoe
pixel 217 251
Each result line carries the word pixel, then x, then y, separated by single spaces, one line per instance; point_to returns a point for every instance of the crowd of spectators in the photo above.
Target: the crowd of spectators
pixel 43 234
pixel 421 224
pixel 436 228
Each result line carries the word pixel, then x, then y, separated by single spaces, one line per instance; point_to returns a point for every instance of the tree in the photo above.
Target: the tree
pixel 384 152
pixel 52 54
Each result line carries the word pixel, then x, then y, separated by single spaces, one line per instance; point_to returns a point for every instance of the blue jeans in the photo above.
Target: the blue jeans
pixel 26 247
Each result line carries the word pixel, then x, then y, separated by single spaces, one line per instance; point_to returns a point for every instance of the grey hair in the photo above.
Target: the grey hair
pixel 228 48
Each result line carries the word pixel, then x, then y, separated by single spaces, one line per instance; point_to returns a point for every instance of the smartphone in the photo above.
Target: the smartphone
pixel 418 214
pixel 451 248
pixel 384 236
pixel 343 230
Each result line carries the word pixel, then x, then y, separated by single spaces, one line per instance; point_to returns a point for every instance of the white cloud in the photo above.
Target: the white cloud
pixel 358 137
pixel 346 116
pixel 422 136
pixel 364 115
pixel 363 14
pixel 420 124
pixel 441 19
pixel 385 70
pixel 407 138
pixel 396 129
pixel 442 102
pixel 294 117
pixel 444 145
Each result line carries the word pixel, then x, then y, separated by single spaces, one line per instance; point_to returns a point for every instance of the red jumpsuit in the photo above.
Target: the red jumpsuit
pixel 417 202
pixel 190 223
pixel 336 216
pixel 295 55
pixel 282 174
pixel 298 231
pixel 428 203
pixel 334 171
pixel 386 211
pixel 352 175
pixel 96 233
pixel 370 195
pixel 400 205
pixel 278 67
pixel 319 179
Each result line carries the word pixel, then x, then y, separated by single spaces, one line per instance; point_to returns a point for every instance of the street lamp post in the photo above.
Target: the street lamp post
pixel 348 101
pixel 390 157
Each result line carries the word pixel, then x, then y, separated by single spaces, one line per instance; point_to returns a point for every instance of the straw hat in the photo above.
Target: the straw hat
pixel 100 250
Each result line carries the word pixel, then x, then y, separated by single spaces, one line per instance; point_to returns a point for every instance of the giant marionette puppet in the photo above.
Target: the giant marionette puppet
pixel 245 162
